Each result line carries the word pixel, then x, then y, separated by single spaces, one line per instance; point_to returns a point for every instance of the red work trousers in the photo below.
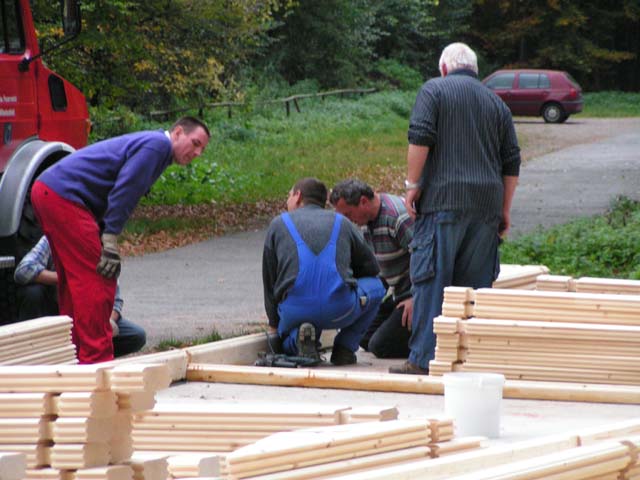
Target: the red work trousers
pixel 83 294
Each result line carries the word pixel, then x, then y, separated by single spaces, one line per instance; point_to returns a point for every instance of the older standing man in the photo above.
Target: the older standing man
pixel 82 203
pixel 463 166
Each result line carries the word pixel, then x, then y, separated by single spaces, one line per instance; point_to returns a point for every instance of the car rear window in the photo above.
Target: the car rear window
pixel 502 80
pixel 572 80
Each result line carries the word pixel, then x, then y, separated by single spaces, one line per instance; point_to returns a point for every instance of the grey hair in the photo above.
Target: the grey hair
pixel 350 190
pixel 458 55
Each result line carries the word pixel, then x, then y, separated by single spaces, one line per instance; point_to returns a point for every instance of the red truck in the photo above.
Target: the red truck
pixel 43 117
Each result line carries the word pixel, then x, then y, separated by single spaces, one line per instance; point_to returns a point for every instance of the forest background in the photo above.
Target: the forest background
pixel 160 54
pixel 136 57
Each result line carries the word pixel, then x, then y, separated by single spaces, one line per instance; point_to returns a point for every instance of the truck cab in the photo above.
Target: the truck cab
pixel 43 117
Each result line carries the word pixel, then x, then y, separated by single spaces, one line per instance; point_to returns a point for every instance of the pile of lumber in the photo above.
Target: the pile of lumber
pixel 326 445
pixel 561 283
pixel 43 341
pixel 219 427
pixel 523 277
pixel 540 335
pixel 75 421
pixel 607 452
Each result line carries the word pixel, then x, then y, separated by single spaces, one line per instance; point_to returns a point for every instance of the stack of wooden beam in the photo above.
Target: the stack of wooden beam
pixel 43 341
pixel 522 277
pixel 555 457
pixel 556 351
pixel 72 424
pixel 450 350
pixel 540 335
pixel 225 427
pixel 561 283
pixel 305 448
pixel 609 460
pixel 557 306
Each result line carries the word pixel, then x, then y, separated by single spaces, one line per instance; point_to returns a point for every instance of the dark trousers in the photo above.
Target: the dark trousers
pixel 37 300
pixel 386 337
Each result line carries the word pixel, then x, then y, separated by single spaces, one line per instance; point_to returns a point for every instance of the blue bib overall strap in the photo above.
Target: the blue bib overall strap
pixel 319 295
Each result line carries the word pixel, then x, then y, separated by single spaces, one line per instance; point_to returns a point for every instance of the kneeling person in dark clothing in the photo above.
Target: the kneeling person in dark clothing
pixel 388 228
pixel 318 273
pixel 37 297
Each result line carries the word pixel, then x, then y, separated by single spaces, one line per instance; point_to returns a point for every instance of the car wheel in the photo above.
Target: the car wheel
pixel 564 118
pixel 553 113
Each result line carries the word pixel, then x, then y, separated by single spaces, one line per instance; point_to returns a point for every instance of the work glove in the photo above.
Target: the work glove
pixel 109 264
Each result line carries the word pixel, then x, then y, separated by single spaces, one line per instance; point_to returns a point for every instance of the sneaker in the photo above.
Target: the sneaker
pixel 409 368
pixel 306 342
pixel 342 356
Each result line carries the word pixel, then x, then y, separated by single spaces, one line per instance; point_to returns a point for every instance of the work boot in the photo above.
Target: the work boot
pixel 306 342
pixel 274 343
pixel 342 356
pixel 409 368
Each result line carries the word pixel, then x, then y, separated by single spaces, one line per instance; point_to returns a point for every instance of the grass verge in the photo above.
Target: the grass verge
pixel 600 246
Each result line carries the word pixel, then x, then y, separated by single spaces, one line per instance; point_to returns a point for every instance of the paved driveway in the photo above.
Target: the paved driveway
pixel 189 291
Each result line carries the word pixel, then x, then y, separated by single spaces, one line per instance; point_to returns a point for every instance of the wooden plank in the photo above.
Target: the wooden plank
pixel 176 361
pixel 136 401
pixel 12 465
pixel 111 472
pixel 82 430
pixel 240 350
pixel 48 473
pixel 86 404
pixel 52 378
pixel 76 456
pixel 348 380
pixel 139 377
pixel 576 463
pixel 21 405
pixel 64 354
pixel 37 455
pixel 449 466
pixel 149 466
pixel 24 430
pixel 572 392
pixel 194 465
pixel 354 464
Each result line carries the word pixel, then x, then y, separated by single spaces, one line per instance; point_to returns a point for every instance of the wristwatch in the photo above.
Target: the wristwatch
pixel 411 186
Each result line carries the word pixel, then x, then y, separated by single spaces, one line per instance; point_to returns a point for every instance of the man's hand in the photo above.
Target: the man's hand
pixel 407 313
pixel 109 264
pixel 411 198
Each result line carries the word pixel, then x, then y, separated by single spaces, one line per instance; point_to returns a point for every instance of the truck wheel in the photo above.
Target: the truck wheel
pixel 552 113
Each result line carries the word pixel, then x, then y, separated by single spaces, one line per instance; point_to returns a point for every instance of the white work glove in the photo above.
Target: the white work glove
pixel 109 264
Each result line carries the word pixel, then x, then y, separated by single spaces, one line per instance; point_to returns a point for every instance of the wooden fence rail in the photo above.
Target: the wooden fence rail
pixel 287 101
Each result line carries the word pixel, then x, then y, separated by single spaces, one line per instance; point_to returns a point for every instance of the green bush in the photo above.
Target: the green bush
pixel 391 72
pixel 601 246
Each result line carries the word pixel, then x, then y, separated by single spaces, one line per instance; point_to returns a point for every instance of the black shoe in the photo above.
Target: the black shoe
pixel 274 342
pixel 306 342
pixel 409 368
pixel 342 356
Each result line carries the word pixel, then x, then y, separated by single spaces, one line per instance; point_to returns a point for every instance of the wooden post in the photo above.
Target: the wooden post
pixel 295 102
pixel 286 103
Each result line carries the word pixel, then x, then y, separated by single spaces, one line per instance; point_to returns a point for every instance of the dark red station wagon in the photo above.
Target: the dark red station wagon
pixel 552 94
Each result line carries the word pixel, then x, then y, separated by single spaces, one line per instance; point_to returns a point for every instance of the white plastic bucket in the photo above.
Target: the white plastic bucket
pixel 474 400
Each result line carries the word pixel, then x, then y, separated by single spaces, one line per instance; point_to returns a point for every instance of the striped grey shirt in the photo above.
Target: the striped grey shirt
pixel 472 144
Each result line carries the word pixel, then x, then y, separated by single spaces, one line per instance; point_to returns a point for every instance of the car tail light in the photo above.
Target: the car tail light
pixel 573 94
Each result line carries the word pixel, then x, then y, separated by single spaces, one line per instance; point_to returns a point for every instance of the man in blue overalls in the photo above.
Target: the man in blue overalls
pixel 318 273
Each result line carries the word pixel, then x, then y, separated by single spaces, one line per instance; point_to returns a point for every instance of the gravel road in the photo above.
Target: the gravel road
pixel 574 169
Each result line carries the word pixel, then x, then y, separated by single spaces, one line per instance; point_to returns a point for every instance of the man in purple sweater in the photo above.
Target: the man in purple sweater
pixel 82 203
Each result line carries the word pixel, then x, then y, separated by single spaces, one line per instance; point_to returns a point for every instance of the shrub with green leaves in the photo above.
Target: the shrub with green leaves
pixel 600 246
